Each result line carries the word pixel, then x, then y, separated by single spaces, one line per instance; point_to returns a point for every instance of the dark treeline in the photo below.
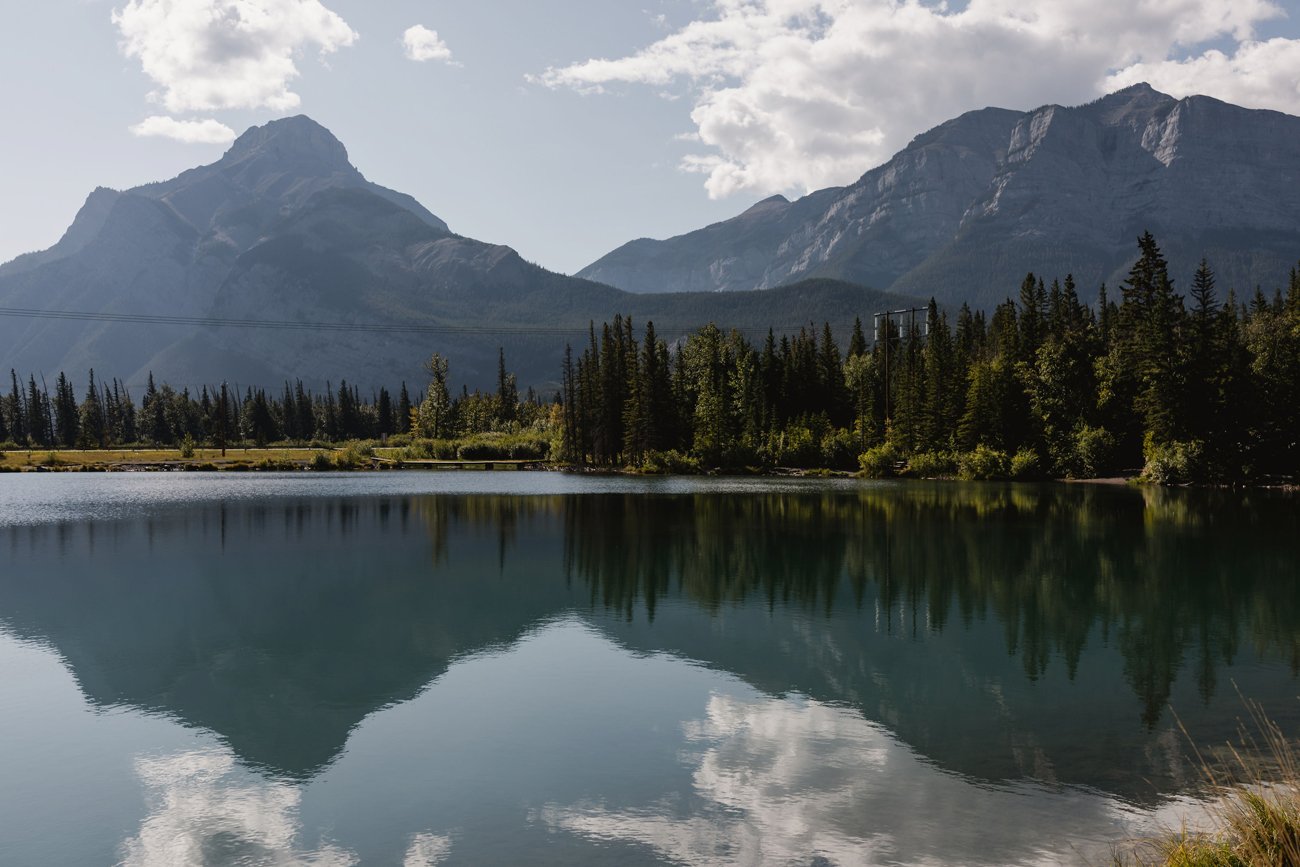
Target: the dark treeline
pixel 1196 387
pixel 107 414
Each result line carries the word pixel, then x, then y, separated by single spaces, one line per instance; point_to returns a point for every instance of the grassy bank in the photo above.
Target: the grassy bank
pixel 1253 819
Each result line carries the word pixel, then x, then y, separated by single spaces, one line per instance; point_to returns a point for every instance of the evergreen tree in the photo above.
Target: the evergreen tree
pixel 404 410
pixel 67 420
pixel 15 412
pixel 434 417
pixel 93 426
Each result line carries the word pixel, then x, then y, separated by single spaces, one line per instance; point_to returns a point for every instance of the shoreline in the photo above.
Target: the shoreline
pixel 253 460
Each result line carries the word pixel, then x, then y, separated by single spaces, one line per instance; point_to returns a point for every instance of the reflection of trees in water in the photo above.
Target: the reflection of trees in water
pixel 1168 577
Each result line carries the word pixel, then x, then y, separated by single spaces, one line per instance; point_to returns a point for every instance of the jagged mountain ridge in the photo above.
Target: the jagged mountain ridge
pixel 967 208
pixel 284 228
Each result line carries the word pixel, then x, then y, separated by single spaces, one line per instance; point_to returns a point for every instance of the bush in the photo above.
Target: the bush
pixel 1094 452
pixel 932 465
pixel 187 447
pixel 52 459
pixel 796 447
pixel 878 462
pixel 1175 463
pixel 983 464
pixel 838 450
pixel 502 447
pixel 669 463
pixel 321 462
pixel 10 446
pixel 1025 466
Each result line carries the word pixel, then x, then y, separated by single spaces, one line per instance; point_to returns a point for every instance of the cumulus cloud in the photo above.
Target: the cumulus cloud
pixel 201 800
pixel 1257 74
pixel 210 55
pixel 792 781
pixel 207 131
pixel 802 94
pixel 422 44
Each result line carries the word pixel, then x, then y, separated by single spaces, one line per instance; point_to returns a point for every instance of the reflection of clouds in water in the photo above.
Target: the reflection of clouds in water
pixel 427 850
pixel 203 810
pixel 797 782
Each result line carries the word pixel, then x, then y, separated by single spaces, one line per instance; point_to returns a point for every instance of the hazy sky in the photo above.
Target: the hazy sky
pixel 566 128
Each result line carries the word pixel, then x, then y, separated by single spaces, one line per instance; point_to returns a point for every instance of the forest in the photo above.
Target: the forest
pixel 1193 388
pixel 1179 388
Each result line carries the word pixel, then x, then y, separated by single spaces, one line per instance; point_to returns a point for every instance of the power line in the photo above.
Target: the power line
pixel 280 324
pixel 361 327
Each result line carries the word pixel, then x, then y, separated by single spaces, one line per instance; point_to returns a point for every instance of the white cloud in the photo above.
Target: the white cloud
pixel 788 781
pixel 207 131
pixel 1257 74
pixel 427 850
pixel 802 94
pixel 422 44
pixel 202 799
pixel 210 55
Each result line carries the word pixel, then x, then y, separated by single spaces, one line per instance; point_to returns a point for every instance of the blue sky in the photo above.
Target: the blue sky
pixel 566 129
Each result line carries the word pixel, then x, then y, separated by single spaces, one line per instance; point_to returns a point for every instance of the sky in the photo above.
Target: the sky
pixel 565 129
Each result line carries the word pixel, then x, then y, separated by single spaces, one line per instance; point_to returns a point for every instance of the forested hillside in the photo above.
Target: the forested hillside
pixel 1201 387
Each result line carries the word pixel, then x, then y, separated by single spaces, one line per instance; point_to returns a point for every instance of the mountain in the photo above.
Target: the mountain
pixel 966 209
pixel 284 229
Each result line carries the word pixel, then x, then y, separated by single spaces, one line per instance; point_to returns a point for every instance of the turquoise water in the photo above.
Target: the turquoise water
pixel 493 668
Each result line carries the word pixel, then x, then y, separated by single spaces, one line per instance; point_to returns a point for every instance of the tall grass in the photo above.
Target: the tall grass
pixel 1254 815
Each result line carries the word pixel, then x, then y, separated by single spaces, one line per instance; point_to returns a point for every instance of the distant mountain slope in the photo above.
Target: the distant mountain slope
pixel 284 228
pixel 970 206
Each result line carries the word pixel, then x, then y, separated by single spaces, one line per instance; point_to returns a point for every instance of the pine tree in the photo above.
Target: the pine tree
pixel 93 427
pixel 67 422
pixel 14 410
pixel 1152 322
pixel 404 410
pixel 507 391
pixel 434 417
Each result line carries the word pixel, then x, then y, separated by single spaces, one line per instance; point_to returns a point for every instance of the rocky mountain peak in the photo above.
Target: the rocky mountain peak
pixel 290 138
pixel 1135 104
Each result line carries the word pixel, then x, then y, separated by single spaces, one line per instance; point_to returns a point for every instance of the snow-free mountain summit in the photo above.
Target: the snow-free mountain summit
pixel 966 209
pixel 284 229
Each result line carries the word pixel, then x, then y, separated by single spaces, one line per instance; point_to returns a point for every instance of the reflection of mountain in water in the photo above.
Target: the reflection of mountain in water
pixel 280 627
pixel 1003 632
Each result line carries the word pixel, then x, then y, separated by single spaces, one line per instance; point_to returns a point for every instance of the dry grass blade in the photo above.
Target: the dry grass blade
pixel 1255 811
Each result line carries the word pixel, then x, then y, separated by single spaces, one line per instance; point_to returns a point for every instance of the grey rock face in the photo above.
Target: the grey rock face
pixel 966 209
pixel 284 229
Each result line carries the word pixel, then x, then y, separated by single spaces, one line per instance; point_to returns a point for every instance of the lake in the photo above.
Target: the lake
pixel 506 668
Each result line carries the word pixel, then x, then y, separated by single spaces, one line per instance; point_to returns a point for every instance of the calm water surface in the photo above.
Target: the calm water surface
pixel 505 668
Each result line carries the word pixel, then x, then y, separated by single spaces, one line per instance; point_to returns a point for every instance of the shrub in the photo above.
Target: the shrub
pixel 1025 465
pixel 52 459
pixel 1175 463
pixel 321 462
pixel 982 464
pixel 878 462
pixel 796 447
pixel 504 447
pixel 932 465
pixel 838 450
pixel 1094 451
pixel 669 463
pixel 187 447
pixel 10 446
